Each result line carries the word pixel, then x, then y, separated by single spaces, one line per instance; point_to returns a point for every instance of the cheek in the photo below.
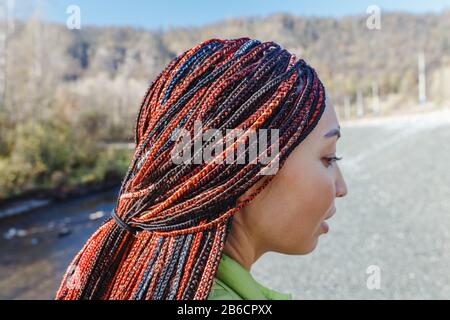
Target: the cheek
pixel 305 193
pixel 316 194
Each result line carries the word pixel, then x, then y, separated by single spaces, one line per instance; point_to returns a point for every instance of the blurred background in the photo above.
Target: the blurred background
pixel 72 76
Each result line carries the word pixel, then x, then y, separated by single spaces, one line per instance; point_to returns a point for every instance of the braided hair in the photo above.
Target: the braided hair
pixel 170 223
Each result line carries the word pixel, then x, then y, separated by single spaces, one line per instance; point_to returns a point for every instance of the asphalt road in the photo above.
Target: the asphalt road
pixel 394 223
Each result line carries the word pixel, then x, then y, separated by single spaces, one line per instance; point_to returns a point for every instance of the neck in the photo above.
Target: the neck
pixel 241 245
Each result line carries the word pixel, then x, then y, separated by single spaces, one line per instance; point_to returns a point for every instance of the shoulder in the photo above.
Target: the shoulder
pixel 220 291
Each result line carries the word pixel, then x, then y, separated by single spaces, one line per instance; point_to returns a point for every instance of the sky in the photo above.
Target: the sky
pixel 161 14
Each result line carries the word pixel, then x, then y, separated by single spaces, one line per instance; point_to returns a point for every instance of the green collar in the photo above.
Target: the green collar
pixel 242 282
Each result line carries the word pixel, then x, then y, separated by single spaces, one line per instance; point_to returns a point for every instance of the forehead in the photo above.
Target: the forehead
pixel 328 120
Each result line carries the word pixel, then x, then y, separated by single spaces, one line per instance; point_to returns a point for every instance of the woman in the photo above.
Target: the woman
pixel 190 219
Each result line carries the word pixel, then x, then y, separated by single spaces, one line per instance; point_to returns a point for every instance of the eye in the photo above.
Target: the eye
pixel 331 160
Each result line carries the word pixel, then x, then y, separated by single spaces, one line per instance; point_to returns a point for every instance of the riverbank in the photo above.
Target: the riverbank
pixel 39 199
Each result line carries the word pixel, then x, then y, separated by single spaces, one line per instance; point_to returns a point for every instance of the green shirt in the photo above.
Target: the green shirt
pixel 234 282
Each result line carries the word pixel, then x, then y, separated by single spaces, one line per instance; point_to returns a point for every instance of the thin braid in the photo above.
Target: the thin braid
pixel 205 197
pixel 178 217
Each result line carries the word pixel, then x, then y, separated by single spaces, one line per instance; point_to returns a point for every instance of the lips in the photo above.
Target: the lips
pixel 325 227
pixel 324 224
pixel 332 214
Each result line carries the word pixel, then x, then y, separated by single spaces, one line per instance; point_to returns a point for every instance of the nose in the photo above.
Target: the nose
pixel 341 186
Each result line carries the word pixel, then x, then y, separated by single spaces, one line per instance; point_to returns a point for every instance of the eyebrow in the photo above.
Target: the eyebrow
pixel 334 132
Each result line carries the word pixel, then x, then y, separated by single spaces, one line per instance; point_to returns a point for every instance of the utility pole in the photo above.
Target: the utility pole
pixel 359 104
pixel 3 49
pixel 375 99
pixel 422 78
pixel 10 16
pixel 7 27
pixel 38 52
pixel 346 108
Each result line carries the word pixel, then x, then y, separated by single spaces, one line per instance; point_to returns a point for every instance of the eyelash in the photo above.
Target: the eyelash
pixel 330 160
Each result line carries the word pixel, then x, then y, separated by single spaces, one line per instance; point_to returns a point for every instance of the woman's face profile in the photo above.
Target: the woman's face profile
pixel 289 215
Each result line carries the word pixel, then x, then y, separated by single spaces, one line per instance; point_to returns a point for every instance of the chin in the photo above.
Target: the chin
pixel 304 249
pixel 309 248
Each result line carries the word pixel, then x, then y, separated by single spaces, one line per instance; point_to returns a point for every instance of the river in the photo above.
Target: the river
pixel 36 247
